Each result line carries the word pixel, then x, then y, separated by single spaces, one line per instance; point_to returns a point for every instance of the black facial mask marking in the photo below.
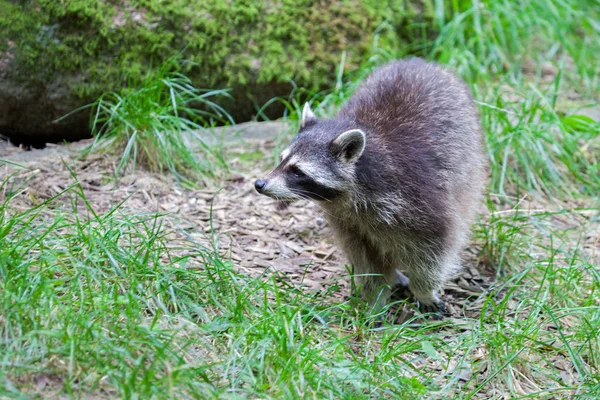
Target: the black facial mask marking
pixel 305 186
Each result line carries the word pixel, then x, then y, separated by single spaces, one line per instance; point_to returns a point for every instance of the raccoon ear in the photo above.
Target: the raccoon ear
pixel 349 145
pixel 307 114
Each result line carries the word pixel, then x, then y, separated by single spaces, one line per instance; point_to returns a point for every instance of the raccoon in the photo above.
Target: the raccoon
pixel 399 173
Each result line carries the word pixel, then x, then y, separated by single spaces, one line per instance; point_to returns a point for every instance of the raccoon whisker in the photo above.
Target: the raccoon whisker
pixel 301 192
pixel 287 199
pixel 295 192
pixel 302 195
pixel 331 215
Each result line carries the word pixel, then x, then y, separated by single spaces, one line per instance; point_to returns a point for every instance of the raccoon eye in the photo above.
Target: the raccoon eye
pixel 297 172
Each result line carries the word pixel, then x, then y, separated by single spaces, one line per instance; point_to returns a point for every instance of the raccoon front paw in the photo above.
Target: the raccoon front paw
pixel 437 309
pixel 401 292
pixel 400 289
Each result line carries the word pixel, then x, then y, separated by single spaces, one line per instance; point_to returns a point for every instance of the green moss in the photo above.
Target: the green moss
pixel 15 25
pixel 230 43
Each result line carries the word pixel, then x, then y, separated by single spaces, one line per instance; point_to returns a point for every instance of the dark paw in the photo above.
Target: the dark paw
pixel 401 292
pixel 436 310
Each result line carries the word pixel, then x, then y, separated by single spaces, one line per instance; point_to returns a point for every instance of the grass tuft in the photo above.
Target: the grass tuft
pixel 157 125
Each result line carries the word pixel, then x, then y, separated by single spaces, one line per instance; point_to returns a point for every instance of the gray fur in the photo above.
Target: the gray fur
pixel 406 202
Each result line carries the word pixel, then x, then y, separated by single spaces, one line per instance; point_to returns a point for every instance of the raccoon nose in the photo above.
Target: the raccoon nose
pixel 259 185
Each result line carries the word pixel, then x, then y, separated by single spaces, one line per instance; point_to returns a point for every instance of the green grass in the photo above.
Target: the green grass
pixel 161 126
pixel 536 146
pixel 119 303
pixel 487 38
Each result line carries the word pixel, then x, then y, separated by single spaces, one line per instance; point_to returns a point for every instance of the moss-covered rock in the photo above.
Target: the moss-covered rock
pixel 56 56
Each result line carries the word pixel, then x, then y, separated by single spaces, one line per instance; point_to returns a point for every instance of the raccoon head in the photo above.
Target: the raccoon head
pixel 319 164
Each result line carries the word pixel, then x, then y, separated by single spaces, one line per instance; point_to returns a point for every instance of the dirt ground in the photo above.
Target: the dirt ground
pixel 251 229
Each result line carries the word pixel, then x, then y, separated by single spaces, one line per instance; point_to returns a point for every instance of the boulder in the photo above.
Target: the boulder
pixel 57 56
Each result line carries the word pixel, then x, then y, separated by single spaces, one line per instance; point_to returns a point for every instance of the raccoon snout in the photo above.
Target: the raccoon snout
pixel 259 185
